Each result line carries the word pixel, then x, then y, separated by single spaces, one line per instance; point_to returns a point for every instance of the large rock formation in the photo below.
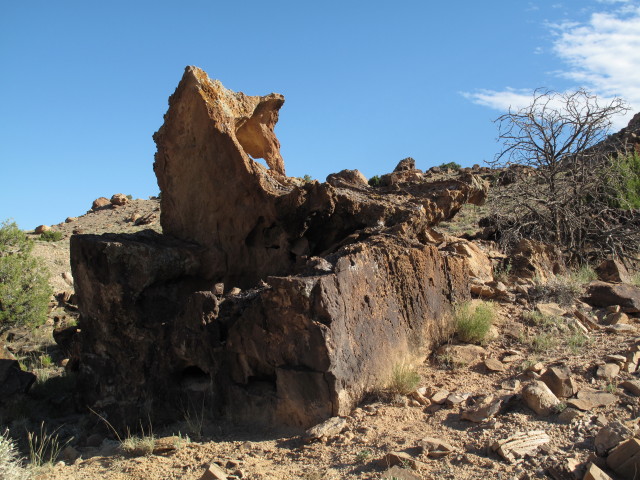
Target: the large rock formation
pixel 341 281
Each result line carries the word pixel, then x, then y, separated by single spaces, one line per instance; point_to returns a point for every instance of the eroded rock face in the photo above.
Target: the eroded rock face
pixel 339 284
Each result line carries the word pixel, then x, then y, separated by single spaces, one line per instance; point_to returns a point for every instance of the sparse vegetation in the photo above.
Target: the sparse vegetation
pixel 562 289
pixel 307 179
pixel 544 342
pixel 138 444
pixel 473 321
pixel 51 236
pixel 24 288
pixel 374 181
pixel 447 361
pixel 562 189
pixel 44 447
pixel 404 379
pixel 577 341
pixel 450 166
pixel 363 455
pixel 10 461
pixel 502 272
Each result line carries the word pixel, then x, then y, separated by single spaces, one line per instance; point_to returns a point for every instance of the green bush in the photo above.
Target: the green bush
pixel 451 165
pixel 307 179
pixel 374 181
pixel 24 287
pixel 627 193
pixel 473 322
pixel 404 379
pixel 51 236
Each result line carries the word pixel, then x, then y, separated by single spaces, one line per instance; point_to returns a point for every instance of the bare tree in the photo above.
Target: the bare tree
pixel 566 182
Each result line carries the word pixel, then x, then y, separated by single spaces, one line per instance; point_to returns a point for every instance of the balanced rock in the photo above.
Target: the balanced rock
pixel 41 229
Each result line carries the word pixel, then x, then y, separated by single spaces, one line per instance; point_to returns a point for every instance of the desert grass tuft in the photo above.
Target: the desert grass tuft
pixel 473 321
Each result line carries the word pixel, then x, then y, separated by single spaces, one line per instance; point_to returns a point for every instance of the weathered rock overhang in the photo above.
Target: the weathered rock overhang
pixel 340 281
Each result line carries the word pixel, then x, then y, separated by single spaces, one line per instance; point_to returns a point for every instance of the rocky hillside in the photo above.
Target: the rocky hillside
pixel 278 329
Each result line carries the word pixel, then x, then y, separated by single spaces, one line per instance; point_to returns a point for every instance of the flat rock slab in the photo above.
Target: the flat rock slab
pixel 435 447
pixel 327 429
pixel 493 365
pixel 602 294
pixel 462 354
pixel 588 399
pixel 514 448
pixel 484 409
pixel 632 386
pixel 398 473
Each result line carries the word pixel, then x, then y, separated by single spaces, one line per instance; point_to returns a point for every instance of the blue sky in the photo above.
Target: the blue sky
pixel 84 85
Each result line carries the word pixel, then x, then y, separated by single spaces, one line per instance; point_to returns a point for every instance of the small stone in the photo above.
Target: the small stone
pixel 632 386
pixel 540 398
pixel 608 371
pixel 568 415
pixel 616 319
pixel 457 398
pixel 514 448
pixel 588 399
pixel 594 473
pixel 511 358
pixel 214 472
pixel 609 436
pixel 621 328
pixel 234 291
pixel 420 399
pixel 462 354
pixel 559 381
pixel 619 359
pixel 493 364
pixel 440 396
pixel 485 408
pixel 398 458
pixel 510 384
pixel 71 219
pixel 327 429
pixel 536 367
pixel 400 473
pixel 435 447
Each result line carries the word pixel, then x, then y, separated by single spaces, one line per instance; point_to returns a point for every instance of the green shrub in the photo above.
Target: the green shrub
pixel 451 165
pixel 404 379
pixel 51 236
pixel 473 321
pixel 24 288
pixel 374 181
pixel 627 193
pixel 307 179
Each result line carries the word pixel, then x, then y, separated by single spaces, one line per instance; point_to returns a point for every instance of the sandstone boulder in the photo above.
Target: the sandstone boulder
pixel 100 202
pixel 119 199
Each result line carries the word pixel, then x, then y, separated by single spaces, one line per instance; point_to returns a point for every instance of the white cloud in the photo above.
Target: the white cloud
pixel 602 55
pixel 510 98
